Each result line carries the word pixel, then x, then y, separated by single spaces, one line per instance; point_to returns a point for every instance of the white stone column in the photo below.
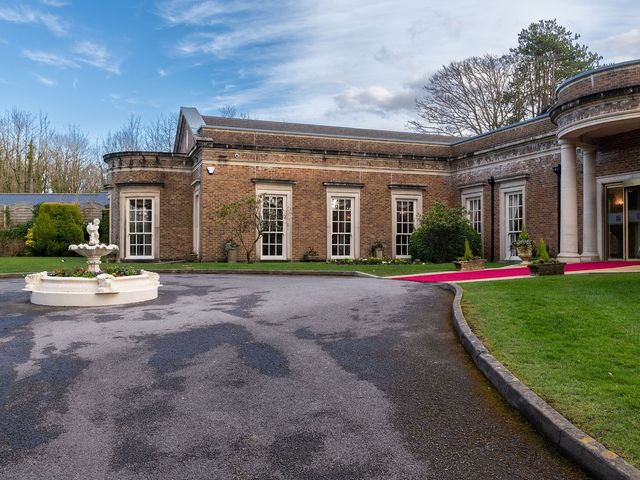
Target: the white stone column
pixel 589 215
pixel 568 204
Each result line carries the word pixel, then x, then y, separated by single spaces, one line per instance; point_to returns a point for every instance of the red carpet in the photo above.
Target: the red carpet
pixel 507 272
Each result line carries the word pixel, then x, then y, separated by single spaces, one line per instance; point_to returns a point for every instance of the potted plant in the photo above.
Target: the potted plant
pixel 544 264
pixel 524 246
pixel 377 249
pixel 231 248
pixel 469 262
pixel 191 257
pixel 311 255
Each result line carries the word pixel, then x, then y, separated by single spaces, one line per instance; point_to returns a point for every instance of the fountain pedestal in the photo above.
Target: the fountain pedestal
pixel 93 253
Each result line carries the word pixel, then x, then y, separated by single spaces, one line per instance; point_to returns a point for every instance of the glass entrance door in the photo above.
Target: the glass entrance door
pixel 633 221
pixel 615 222
pixel 622 238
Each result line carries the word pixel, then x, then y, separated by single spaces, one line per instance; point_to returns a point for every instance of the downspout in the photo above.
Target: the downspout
pixel 492 182
pixel 558 171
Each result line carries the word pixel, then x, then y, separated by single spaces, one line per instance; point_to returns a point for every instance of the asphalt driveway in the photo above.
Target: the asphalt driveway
pixel 255 377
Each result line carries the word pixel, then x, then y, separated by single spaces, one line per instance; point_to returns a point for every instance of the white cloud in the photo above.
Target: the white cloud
pixel 375 99
pixel 83 52
pixel 49 58
pixel 96 55
pixel 346 62
pixel 26 15
pixel 626 44
pixel 162 72
pixel 194 12
pixel 127 101
pixel 46 81
pixel 55 3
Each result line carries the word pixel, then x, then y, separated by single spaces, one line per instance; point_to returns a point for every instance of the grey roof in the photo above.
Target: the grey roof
pixel 36 198
pixel 327 131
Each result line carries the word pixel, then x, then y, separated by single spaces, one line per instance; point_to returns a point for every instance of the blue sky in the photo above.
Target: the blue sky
pixel 352 63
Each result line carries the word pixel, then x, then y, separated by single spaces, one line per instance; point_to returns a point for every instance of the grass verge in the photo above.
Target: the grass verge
pixel 575 340
pixel 39 264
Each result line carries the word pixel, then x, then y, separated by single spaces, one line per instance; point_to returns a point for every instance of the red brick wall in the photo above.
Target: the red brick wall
pixel 172 177
pixel 529 149
pixel 232 181
pixel 540 188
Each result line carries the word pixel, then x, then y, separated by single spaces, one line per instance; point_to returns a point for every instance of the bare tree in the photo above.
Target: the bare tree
pixel 74 163
pixel 467 97
pixel 159 135
pixel 23 161
pixel 229 111
pixel 128 138
pixel 249 218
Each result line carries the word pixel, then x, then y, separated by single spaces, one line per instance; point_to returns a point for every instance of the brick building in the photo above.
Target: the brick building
pixel 572 176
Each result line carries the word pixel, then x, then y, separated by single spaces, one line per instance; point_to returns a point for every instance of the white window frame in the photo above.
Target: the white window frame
pixel 514 186
pixel 134 192
pixel 354 195
pixel 404 195
pixel 475 193
pixel 285 191
pixel 196 219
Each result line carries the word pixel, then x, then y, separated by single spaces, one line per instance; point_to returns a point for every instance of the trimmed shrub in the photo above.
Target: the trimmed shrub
pixel 543 253
pixel 104 227
pixel 57 226
pixel 441 235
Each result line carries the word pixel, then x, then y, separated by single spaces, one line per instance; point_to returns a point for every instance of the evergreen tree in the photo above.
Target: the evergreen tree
pixel 547 54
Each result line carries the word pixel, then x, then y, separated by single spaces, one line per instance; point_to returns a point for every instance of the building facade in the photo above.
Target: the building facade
pixel 572 176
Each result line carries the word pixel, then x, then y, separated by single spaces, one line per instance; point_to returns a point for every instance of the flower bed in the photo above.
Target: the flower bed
pixel 83 272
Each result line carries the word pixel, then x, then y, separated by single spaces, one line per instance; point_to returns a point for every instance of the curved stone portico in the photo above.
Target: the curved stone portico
pixel 591 107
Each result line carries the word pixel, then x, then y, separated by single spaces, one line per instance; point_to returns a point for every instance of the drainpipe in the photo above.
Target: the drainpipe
pixel 492 182
pixel 558 171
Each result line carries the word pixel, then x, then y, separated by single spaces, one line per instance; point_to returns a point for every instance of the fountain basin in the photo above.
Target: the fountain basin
pixel 102 290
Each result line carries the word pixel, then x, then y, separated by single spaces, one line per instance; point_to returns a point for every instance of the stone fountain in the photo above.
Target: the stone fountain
pixel 102 290
pixel 94 250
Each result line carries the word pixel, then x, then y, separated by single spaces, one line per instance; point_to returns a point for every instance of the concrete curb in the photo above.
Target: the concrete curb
pixel 584 450
pixel 230 271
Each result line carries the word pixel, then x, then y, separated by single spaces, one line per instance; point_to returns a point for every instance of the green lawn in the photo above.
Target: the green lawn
pixel 576 341
pixel 39 264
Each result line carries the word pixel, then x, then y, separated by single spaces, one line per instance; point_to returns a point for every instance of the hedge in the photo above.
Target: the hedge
pixel 56 226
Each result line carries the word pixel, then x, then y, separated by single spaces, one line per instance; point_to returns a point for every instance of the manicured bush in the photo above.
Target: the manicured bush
pixel 468 254
pixel 441 235
pixel 104 226
pixel 543 253
pixel 57 226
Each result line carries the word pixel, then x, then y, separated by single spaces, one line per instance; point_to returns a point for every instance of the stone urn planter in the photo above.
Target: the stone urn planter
pixel 525 252
pixel 232 255
pixel 546 268
pixel 377 249
pixel 469 265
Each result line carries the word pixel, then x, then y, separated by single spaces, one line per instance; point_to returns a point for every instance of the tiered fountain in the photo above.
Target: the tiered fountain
pixel 101 290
